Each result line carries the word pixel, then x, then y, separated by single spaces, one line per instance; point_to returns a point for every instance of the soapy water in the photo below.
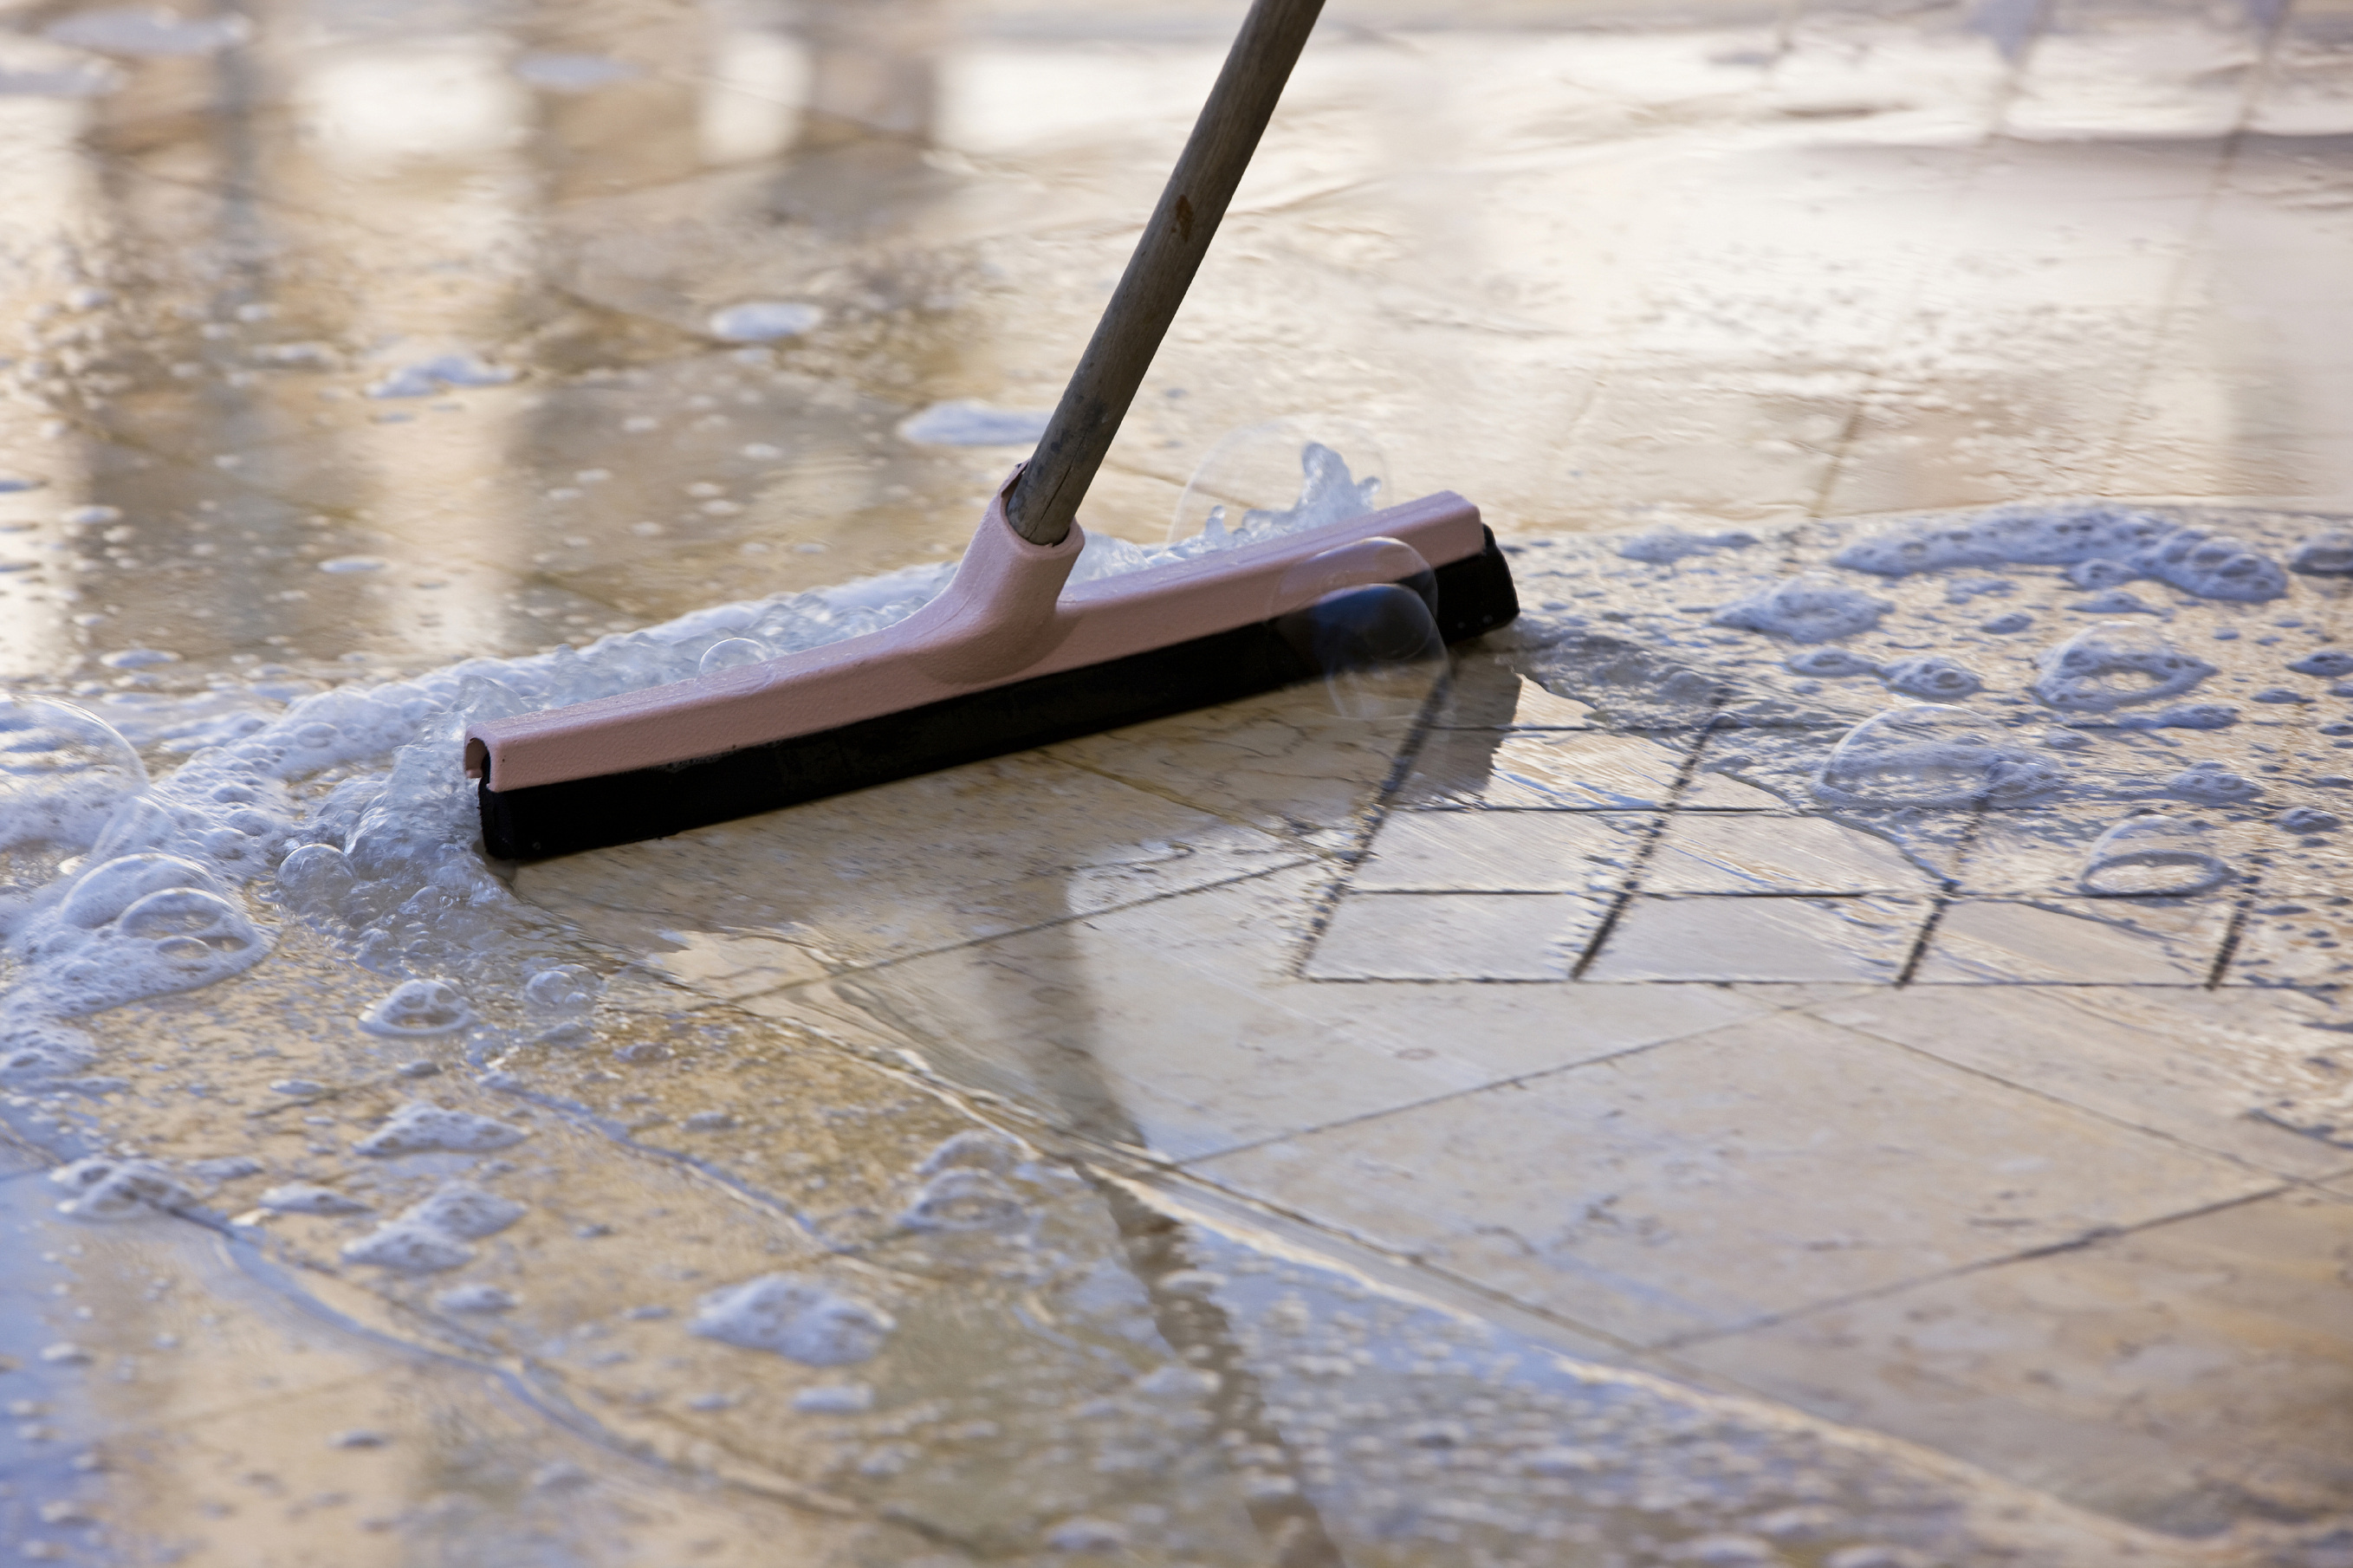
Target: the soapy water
pixel 381 856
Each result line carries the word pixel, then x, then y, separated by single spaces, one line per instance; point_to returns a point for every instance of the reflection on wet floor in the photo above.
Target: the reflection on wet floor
pixel 1817 1048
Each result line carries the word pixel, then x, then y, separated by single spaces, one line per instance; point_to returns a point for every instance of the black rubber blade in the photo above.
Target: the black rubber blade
pixel 1474 595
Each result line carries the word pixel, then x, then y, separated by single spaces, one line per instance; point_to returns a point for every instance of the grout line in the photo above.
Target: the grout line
pixel 1327 901
pixel 2095 1236
pixel 894 960
pixel 1515 1080
pixel 2230 939
pixel 1686 772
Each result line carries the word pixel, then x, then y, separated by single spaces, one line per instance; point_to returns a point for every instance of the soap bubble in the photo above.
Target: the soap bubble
pixel 315 880
pixel 732 653
pixel 2112 665
pixel 2151 856
pixel 1280 476
pixel 793 1316
pixel 64 772
pixel 567 988
pixel 1364 617
pixel 418 1007
pixel 962 1198
pixel 1931 754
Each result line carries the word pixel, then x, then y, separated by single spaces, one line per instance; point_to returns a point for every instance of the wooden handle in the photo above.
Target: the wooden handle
pixel 1046 497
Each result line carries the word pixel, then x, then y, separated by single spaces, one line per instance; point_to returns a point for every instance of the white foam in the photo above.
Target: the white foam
pixel 1931 675
pixel 2328 554
pixel 133 925
pixel 2115 665
pixel 406 1247
pixel 474 1299
pixel 963 1198
pixel 790 1315
pixel 1666 545
pixel 465 1210
pixel 419 1126
pixel 1811 607
pixel 303 1197
pixel 2103 544
pixel 106 1188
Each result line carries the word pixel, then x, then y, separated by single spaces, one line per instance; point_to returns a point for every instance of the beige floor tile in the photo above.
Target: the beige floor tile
pixel 434 1461
pixel 1750 1171
pixel 922 864
pixel 1284 763
pixel 1762 854
pixel 2082 941
pixel 2188 1063
pixel 1454 936
pixel 1503 851
pixel 1073 1019
pixel 1702 938
pixel 115 1327
pixel 2189 1376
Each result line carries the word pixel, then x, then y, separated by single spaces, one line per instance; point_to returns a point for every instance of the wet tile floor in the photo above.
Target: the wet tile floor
pixel 1641 1106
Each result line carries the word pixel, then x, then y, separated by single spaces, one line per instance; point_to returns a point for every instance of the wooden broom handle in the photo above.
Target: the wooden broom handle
pixel 1046 498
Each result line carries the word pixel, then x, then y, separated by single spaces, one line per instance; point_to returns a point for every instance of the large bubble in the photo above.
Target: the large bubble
pixel 63 773
pixel 1931 754
pixel 2151 856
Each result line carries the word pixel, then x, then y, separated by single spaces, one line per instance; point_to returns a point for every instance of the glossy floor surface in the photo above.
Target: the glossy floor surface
pixel 1625 1103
